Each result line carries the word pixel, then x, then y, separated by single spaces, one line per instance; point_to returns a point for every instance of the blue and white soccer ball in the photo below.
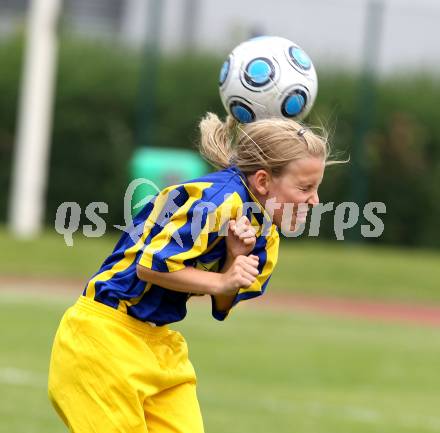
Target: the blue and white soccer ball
pixel 268 76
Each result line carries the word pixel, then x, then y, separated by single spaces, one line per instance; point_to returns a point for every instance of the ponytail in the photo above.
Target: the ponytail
pixel 216 140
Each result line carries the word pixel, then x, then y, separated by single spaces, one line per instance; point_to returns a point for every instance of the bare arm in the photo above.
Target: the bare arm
pixel 186 280
pixel 224 302
pixel 242 272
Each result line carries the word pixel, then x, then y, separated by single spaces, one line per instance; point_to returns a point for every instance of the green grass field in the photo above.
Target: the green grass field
pixel 258 372
pixel 332 268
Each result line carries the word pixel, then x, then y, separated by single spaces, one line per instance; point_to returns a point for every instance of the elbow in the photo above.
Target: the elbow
pixel 139 272
pixel 143 273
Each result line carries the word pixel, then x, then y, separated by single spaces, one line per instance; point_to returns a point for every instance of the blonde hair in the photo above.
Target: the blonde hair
pixel 268 144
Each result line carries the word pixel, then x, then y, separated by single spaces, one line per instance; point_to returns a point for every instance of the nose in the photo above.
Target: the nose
pixel 313 199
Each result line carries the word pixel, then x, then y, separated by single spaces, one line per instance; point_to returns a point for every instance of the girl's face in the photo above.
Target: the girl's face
pixel 292 193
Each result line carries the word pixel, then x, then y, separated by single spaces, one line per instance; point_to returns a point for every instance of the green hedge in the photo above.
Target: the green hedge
pixel 97 110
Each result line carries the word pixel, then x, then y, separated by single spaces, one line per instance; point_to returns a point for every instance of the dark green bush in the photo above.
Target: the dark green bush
pixel 97 118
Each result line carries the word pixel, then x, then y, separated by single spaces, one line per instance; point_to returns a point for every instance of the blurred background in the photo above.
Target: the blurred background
pixel 352 326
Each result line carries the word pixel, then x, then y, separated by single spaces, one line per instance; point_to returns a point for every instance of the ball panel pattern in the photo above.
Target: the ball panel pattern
pixel 294 103
pixel 241 112
pixel 259 72
pixel 300 58
pixel 224 71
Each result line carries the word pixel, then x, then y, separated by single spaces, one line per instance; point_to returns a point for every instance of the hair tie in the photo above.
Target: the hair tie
pixel 301 132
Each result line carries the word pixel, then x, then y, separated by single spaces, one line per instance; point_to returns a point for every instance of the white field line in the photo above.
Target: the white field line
pixel 357 414
pixel 19 296
pixel 20 377
pixel 319 409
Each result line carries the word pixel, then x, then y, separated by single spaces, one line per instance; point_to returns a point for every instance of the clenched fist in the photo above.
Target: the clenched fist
pixel 241 237
pixel 241 274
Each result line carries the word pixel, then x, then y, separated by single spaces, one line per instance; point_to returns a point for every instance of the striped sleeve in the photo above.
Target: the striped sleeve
pixel 189 219
pixel 266 248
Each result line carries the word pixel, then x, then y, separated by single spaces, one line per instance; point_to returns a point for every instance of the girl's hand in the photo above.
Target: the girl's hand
pixel 241 237
pixel 241 274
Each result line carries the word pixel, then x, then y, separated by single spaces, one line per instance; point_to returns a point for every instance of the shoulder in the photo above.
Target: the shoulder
pixel 218 187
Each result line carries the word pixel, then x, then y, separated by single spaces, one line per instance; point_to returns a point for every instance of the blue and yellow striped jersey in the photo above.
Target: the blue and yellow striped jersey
pixel 183 225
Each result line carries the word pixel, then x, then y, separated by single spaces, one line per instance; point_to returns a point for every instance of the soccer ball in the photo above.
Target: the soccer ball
pixel 268 76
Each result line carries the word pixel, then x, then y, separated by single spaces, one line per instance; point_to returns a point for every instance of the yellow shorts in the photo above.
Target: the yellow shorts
pixel 112 373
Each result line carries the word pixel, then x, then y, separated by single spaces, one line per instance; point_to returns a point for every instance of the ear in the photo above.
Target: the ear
pixel 261 181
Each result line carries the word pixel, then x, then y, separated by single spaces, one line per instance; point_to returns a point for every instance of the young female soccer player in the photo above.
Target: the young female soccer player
pixel 116 366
